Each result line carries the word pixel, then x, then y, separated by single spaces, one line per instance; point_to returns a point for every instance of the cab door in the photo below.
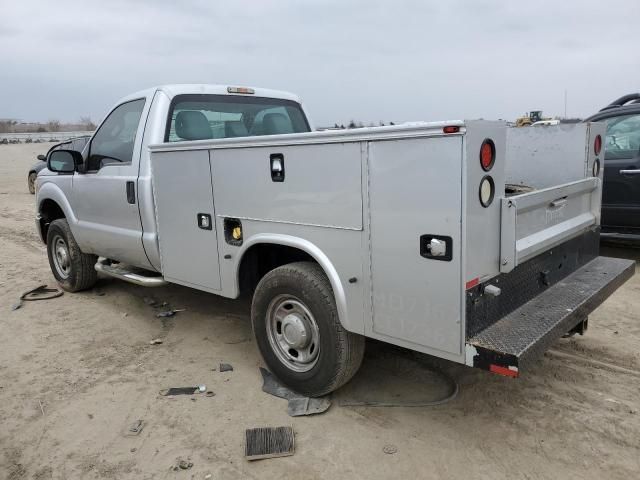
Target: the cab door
pixel 105 191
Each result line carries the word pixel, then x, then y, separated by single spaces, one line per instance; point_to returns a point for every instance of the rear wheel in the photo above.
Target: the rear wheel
pixel 73 269
pixel 295 322
pixel 31 182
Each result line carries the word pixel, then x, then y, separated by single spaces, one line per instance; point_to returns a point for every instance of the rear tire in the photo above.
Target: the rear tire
pixel 295 323
pixel 31 182
pixel 73 269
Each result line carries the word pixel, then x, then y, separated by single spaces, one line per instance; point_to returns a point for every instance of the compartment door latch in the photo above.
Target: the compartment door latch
pixel 204 221
pixel 436 247
pixel 276 161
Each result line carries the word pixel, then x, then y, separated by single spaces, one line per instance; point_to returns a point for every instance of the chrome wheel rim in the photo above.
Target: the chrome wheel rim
pixel 293 333
pixel 61 257
pixel 32 182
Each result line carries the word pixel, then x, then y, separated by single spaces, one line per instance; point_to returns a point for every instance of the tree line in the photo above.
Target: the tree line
pixel 54 125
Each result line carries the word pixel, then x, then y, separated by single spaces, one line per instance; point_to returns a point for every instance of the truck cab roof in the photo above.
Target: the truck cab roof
pixel 171 90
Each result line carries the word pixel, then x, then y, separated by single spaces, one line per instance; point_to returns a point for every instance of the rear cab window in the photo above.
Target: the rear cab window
pixel 208 116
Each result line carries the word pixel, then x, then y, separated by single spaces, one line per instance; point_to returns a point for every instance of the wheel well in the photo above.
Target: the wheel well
pixel 261 258
pixel 49 211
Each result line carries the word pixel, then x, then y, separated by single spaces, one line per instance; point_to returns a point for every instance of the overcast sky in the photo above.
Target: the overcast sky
pixel 367 60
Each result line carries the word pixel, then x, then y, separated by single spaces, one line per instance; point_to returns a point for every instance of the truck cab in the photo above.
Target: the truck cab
pixel 108 199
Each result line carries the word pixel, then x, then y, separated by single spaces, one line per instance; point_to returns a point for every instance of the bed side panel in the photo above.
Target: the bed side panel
pixel 482 224
pixel 546 156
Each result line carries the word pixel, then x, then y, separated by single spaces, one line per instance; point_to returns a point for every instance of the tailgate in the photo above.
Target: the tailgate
pixel 537 221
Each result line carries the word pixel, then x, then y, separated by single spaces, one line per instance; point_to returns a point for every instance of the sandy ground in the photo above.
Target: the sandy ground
pixel 76 371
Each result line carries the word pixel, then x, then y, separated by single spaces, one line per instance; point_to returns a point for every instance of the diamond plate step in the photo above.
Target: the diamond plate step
pixel 523 335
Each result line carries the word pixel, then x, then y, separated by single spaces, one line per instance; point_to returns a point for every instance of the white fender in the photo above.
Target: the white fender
pixel 315 252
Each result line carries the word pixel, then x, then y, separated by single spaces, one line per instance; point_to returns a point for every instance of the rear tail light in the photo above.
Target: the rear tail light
pixel 487 191
pixel 597 144
pixel 596 168
pixel 504 371
pixel 487 154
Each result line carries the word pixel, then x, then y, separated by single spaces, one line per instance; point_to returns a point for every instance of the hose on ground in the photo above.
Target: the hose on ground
pixel 453 393
pixel 41 292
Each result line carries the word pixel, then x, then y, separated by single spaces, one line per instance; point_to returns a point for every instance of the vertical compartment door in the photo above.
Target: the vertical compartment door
pixel 185 213
pixel 415 201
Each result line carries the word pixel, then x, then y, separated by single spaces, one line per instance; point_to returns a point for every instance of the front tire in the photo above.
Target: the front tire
pixel 31 182
pixel 73 269
pixel 295 322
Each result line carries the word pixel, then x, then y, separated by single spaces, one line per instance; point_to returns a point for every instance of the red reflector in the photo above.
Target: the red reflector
pixel 472 283
pixel 487 155
pixel 597 144
pixel 505 371
pixel 451 129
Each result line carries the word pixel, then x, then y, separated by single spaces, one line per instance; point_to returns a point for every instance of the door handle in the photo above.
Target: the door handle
pixel 131 193
pixel 630 172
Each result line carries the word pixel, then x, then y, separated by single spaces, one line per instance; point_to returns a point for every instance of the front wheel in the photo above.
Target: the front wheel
pixel 73 269
pixel 31 182
pixel 295 322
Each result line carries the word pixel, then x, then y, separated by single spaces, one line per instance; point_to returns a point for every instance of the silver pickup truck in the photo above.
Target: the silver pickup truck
pixel 466 240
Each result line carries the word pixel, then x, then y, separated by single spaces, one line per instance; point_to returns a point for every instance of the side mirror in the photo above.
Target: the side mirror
pixel 64 161
pixel 42 157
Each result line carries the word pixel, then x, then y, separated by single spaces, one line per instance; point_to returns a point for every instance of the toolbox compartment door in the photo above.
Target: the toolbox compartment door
pixel 415 196
pixel 186 218
pixel 534 222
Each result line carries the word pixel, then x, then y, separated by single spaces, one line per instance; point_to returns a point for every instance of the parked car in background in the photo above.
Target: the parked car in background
pixel 621 190
pixel 76 143
pixel 33 172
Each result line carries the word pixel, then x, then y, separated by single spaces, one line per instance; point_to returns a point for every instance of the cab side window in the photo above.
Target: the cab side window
pixel 114 140
pixel 623 137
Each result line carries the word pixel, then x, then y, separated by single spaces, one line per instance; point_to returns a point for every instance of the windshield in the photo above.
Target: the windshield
pixel 200 117
pixel 623 137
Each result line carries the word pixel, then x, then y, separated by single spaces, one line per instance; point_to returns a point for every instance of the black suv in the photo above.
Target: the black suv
pixel 621 189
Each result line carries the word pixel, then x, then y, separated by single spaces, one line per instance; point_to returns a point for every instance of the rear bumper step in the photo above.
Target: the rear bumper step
pixel 523 335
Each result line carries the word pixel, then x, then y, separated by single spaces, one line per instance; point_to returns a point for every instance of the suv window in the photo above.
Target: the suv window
pixel 200 117
pixel 113 142
pixel 623 137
